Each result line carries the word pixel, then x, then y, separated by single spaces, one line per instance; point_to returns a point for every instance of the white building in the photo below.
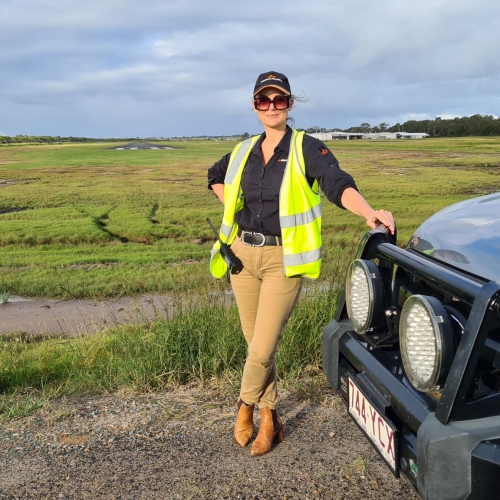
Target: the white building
pixel 334 136
pixel 396 135
pixel 413 135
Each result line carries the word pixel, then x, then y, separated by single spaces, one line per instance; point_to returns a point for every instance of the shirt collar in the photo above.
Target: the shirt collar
pixel 284 144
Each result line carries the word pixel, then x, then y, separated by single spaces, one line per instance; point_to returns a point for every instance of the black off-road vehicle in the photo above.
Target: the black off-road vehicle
pixel 414 350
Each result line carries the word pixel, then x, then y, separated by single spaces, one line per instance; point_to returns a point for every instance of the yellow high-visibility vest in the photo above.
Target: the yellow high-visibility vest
pixel 299 212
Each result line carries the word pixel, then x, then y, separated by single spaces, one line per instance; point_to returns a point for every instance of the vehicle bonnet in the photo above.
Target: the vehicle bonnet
pixel 465 235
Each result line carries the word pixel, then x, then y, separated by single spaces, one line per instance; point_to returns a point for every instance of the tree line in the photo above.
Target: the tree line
pixel 43 139
pixel 48 139
pixel 479 125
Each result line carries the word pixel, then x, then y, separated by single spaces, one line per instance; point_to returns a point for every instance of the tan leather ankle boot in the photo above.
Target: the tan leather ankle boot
pixel 244 424
pixel 270 431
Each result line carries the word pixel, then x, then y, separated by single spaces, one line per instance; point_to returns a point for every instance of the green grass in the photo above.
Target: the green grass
pixel 84 221
pixel 201 343
pixel 4 296
pixel 87 221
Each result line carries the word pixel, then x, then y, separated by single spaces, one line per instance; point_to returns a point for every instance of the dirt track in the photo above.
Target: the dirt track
pixel 79 317
pixel 179 445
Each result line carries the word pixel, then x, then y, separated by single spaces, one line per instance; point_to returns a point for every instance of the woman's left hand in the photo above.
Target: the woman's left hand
pixel 378 217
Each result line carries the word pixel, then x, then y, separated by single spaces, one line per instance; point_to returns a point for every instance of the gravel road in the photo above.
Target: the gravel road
pixel 178 445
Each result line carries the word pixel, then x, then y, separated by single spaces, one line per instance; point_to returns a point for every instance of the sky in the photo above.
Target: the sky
pixel 162 68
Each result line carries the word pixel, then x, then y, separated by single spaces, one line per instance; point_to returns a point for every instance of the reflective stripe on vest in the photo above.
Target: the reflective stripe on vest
pixel 299 219
pixel 300 216
pixel 299 212
pixel 299 259
pixel 233 203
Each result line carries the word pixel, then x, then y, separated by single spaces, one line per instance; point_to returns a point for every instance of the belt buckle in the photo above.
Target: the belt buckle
pixel 253 234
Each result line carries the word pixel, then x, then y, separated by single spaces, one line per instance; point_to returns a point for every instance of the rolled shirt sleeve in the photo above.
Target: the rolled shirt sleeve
pixel 322 165
pixel 217 172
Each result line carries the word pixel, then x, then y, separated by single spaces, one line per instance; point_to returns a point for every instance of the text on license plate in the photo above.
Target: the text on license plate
pixel 376 427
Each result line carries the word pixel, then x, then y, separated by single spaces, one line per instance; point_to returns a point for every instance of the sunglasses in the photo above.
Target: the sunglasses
pixel 263 103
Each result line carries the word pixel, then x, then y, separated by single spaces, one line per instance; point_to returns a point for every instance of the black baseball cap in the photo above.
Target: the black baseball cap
pixel 272 79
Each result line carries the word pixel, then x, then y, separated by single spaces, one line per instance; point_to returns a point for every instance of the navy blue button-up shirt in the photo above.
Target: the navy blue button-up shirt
pixel 261 183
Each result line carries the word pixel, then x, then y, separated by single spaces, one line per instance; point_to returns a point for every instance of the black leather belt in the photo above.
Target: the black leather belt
pixel 258 239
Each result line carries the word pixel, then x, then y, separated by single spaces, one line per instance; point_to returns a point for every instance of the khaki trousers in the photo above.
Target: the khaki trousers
pixel 265 300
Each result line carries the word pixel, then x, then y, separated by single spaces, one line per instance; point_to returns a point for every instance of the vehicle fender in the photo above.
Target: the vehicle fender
pixel 444 455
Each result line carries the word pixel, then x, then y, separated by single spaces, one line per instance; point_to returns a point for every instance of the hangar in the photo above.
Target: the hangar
pixel 334 136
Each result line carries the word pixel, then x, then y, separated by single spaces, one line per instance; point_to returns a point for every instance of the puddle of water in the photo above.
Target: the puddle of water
pixel 80 317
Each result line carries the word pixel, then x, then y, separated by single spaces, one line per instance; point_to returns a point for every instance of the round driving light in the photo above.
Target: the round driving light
pixel 427 342
pixel 364 296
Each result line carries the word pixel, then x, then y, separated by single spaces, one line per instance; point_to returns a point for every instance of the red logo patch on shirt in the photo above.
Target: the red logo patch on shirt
pixel 323 150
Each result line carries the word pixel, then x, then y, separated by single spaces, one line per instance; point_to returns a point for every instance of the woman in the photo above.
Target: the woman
pixel 272 219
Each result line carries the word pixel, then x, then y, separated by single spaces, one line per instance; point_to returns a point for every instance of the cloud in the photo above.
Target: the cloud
pixel 187 67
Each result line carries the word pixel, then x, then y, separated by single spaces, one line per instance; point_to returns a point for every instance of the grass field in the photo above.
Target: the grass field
pixel 88 221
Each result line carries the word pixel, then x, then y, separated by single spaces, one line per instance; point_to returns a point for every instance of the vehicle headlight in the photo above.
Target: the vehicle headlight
pixel 364 295
pixel 427 343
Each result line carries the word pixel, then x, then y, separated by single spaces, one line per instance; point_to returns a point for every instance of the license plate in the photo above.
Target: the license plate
pixel 377 428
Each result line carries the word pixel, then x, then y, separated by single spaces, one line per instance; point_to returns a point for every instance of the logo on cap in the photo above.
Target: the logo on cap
pixel 272 77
